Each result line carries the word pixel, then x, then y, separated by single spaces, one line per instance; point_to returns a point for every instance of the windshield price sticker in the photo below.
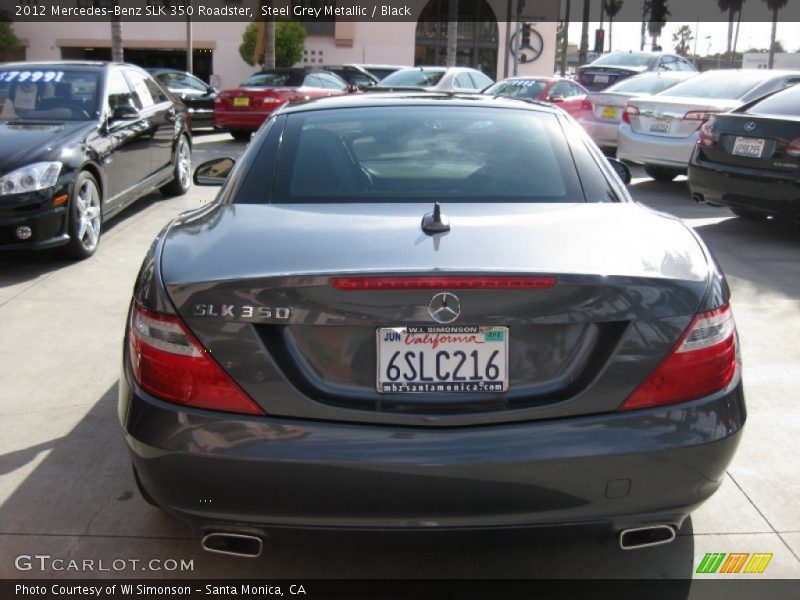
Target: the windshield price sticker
pixel 32 76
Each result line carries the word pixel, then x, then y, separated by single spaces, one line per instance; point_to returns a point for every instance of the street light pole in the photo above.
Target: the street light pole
pixel 189 42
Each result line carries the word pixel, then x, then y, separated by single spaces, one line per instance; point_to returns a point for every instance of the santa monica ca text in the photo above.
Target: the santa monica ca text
pixel 141 589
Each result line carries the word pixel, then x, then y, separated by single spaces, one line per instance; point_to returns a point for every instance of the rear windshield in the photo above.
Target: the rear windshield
pixel 275 79
pixel 413 78
pixel 517 88
pixel 424 153
pixel 646 84
pixel 782 104
pixel 46 93
pixel 720 85
pixel 625 59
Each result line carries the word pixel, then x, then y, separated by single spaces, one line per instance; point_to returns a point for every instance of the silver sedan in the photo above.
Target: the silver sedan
pixel 436 79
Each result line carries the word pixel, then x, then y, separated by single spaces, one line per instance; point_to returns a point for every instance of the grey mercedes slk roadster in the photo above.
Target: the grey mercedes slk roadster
pixel 427 311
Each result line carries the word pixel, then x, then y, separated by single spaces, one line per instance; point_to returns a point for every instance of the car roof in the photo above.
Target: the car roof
pixel 62 63
pixel 535 78
pixel 417 99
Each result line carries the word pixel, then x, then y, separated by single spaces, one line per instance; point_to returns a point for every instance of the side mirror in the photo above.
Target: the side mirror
pixel 213 172
pixel 124 112
pixel 622 170
pixel 556 98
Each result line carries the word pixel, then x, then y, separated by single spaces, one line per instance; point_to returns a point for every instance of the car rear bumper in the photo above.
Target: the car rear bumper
pixel 624 469
pixel 603 133
pixel 656 150
pixel 240 120
pixel 750 189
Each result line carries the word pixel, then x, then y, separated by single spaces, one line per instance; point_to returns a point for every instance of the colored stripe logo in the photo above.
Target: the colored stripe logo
pixel 735 562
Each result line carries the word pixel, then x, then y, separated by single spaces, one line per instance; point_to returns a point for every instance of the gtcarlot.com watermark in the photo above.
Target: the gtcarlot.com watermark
pixel 46 562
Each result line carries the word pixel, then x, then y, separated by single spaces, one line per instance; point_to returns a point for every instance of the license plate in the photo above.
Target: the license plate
pixel 241 101
pixel 610 112
pixel 750 147
pixel 660 125
pixel 601 78
pixel 441 359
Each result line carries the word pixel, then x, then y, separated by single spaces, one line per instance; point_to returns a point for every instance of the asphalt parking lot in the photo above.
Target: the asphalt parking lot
pixel 65 484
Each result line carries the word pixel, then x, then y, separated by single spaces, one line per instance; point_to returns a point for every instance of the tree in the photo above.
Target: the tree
pixel 774 6
pixel 658 18
pixel 117 50
pixel 290 37
pixel 612 8
pixel 7 38
pixel 732 7
pixel 682 39
pixel 646 8
pixel 584 48
pixel 452 33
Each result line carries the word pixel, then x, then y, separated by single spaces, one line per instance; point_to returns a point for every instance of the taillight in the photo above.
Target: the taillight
pixel 793 149
pixel 706 137
pixel 701 363
pixel 699 115
pixel 443 283
pixel 628 111
pixel 168 362
pixel 270 100
pixel 586 104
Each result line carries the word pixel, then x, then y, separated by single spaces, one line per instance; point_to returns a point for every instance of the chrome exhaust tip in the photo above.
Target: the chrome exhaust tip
pixel 698 198
pixel 233 544
pixel 643 537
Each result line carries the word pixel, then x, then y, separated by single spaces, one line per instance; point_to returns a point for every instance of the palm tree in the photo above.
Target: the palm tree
pixel 584 49
pixel 265 41
pixel 732 7
pixel 646 8
pixel 452 32
pixel 612 8
pixel 774 6
pixel 117 52
pixel 658 18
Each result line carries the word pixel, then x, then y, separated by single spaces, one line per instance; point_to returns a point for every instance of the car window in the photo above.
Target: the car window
pixel 313 81
pixel 422 154
pixel 574 90
pixel 464 81
pixel 360 79
pixel 721 85
pixel 145 89
pixel 332 83
pixel 785 103
pixel 481 81
pixel 561 88
pixel 667 63
pixel 684 65
pixel 517 88
pixel 275 79
pixel 413 78
pixel 45 92
pixel 120 92
pixel 180 81
pixel 621 59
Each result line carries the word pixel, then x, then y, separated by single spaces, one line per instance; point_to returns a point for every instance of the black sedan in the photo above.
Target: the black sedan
pixel 81 141
pixel 616 66
pixel 403 311
pixel 749 159
pixel 354 75
pixel 195 93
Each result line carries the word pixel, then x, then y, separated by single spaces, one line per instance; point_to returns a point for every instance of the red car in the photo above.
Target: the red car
pixel 565 94
pixel 242 110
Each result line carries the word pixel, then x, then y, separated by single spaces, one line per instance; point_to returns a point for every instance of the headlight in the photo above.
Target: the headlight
pixel 37 176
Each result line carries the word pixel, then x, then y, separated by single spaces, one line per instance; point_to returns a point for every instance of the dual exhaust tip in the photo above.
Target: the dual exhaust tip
pixel 644 537
pixel 251 546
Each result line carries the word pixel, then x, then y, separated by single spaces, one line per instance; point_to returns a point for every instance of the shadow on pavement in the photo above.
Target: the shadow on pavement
pixel 81 502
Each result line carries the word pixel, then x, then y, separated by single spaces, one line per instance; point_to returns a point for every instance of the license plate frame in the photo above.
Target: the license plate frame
pixel 741 142
pixel 241 101
pixel 660 125
pixel 450 339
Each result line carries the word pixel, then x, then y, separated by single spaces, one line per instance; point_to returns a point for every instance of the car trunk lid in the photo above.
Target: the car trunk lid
pixel 674 117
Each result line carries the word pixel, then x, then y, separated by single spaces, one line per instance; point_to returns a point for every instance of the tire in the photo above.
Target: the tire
pixel 243 135
pixel 663 174
pixel 85 219
pixel 182 171
pixel 750 215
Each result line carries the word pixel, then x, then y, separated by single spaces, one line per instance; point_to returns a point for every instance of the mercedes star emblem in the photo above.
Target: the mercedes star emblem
pixel 444 307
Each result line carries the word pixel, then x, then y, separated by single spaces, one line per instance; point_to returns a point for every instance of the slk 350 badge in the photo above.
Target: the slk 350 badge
pixel 245 311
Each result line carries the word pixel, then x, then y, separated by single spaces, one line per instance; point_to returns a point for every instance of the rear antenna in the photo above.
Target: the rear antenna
pixel 435 222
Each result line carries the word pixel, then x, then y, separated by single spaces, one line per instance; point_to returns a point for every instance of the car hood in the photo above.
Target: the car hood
pixel 24 142
pixel 248 240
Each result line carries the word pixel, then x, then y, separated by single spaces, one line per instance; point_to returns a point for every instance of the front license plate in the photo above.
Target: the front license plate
pixel 660 125
pixel 241 101
pixel 750 147
pixel 601 78
pixel 442 358
pixel 610 112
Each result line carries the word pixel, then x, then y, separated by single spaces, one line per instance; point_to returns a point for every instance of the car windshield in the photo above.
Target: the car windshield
pixel 782 104
pixel 624 59
pixel 720 85
pixel 425 154
pixel 47 93
pixel 647 84
pixel 517 88
pixel 275 79
pixel 413 78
